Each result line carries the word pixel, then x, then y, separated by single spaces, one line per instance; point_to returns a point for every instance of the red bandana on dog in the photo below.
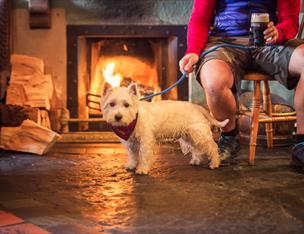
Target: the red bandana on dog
pixel 125 132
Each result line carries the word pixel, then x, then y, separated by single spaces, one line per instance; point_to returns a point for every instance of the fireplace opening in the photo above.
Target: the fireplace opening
pixel 121 62
pixel 120 55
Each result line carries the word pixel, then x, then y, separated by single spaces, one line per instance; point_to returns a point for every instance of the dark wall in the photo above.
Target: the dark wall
pixel 122 11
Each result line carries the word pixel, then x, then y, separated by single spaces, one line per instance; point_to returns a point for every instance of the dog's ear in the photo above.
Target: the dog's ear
pixel 106 88
pixel 133 89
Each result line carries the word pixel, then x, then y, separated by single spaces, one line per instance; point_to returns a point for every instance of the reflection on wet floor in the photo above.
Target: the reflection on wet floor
pixel 84 188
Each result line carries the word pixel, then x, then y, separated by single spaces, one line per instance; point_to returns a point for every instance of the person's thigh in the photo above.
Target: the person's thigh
pixel 296 63
pixel 275 61
pixel 214 66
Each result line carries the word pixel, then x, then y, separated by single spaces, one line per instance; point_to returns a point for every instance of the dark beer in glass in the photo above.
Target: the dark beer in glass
pixel 259 22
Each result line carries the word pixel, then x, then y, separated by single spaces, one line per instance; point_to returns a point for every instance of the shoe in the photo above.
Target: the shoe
pixel 229 147
pixel 297 155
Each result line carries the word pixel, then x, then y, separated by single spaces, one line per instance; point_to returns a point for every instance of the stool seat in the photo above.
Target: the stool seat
pixel 252 76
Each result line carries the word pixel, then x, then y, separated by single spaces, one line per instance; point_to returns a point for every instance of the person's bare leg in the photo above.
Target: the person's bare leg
pixel 217 80
pixel 299 105
pixel 296 67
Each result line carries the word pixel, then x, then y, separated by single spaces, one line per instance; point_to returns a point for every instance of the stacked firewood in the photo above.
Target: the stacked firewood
pixel 28 96
pixel 29 86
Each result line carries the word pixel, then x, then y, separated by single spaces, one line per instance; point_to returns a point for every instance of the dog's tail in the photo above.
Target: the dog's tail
pixel 212 120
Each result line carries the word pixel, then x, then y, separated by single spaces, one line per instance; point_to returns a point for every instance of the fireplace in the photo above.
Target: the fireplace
pixel 122 61
pixel 120 55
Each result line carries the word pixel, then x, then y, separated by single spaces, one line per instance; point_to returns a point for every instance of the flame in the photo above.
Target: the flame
pixel 120 70
pixel 108 73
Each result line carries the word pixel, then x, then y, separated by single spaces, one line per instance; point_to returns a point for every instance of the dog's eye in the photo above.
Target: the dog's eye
pixel 126 105
pixel 112 104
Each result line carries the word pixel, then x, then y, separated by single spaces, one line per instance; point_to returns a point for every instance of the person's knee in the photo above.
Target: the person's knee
pixel 300 50
pixel 301 55
pixel 296 66
pixel 216 76
pixel 299 98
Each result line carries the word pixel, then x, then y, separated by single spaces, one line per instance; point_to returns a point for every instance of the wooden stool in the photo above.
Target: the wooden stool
pixel 266 116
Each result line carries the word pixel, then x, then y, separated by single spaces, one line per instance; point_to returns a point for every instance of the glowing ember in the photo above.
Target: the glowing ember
pixel 109 75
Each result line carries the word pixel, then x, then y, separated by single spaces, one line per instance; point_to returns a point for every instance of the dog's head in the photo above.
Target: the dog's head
pixel 119 106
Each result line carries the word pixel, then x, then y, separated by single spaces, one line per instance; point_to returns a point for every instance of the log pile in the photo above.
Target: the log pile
pixel 29 86
pixel 25 121
pixel 30 137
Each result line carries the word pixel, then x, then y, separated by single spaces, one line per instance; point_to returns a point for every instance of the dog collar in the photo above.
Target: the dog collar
pixel 125 132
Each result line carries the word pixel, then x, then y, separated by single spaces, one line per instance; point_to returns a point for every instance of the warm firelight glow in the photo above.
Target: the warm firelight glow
pixel 112 78
pixel 120 71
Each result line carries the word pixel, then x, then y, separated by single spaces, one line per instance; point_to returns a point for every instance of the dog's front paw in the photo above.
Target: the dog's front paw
pixel 142 171
pixel 130 166
pixel 214 165
pixel 195 162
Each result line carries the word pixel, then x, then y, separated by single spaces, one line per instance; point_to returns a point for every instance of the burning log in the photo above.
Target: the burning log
pixel 144 90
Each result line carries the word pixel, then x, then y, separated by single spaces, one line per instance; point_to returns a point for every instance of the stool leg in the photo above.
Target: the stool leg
pixel 254 121
pixel 268 109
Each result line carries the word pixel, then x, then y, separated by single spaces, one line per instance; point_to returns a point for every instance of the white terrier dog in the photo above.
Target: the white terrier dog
pixel 140 124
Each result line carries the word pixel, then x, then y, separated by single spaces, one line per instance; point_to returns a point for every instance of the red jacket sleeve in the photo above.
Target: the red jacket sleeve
pixel 288 20
pixel 199 25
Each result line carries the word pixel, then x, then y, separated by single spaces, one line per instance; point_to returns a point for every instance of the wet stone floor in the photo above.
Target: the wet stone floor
pixel 83 188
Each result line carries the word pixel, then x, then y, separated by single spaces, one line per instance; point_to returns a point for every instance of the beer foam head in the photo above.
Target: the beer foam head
pixel 259 17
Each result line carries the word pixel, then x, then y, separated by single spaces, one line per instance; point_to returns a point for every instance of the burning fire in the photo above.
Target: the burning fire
pixel 121 71
pixel 112 78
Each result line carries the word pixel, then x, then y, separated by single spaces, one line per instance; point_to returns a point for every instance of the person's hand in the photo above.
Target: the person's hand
pixel 271 34
pixel 187 62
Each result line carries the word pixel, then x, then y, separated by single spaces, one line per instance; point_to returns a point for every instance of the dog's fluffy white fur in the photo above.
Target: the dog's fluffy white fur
pixel 184 121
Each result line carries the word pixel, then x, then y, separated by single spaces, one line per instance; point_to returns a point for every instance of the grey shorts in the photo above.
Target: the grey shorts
pixel 271 60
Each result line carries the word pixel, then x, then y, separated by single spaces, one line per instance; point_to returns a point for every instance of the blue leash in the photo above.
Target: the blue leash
pixel 183 77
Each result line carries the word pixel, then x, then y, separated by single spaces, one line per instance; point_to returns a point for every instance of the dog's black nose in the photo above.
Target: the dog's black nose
pixel 118 117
